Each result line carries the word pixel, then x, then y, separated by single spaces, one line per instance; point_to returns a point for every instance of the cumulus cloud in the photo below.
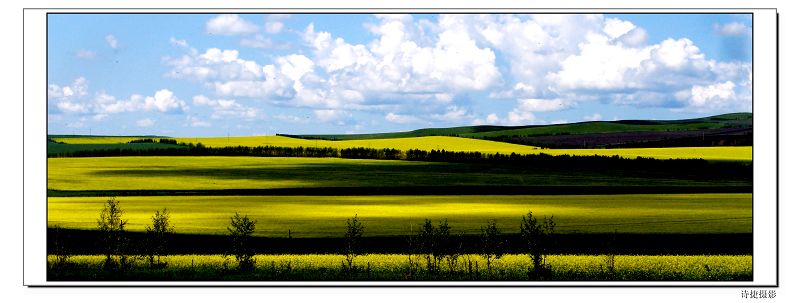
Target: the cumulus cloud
pixel 225 108
pixel 230 25
pixel 413 70
pixel 146 122
pixel 273 24
pixel 400 118
pixel 520 117
pixel 732 29
pixel 111 40
pixel 75 98
pixel 542 105
pixel 69 98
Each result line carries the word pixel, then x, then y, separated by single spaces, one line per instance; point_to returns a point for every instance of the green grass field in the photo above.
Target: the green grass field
pixel 324 216
pixel 176 173
pixel 394 267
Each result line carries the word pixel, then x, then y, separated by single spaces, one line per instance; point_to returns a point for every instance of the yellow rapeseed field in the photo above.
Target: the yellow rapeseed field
pixel 739 153
pixel 508 267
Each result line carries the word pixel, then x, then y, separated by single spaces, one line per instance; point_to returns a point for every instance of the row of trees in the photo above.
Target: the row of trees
pixel 436 245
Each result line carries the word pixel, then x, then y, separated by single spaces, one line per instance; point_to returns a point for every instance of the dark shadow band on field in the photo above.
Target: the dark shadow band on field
pixel 73 241
pixel 413 191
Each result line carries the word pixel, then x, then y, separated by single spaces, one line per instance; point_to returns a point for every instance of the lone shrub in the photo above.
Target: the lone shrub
pixel 240 230
pixel 112 234
pixel 536 239
pixel 352 238
pixel 157 235
pixel 491 244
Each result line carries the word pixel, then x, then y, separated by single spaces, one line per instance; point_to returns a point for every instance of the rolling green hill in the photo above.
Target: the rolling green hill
pixel 733 120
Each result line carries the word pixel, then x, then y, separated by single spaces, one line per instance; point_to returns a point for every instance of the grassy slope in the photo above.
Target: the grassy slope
pixel 719 121
pixel 322 216
pixel 176 173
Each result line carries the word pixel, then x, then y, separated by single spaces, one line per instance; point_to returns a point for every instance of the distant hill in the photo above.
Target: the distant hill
pixel 733 129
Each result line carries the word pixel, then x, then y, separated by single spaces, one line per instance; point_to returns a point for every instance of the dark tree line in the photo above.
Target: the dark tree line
pixel 685 168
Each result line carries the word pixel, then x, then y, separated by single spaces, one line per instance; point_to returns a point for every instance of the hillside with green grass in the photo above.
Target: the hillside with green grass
pixel 733 129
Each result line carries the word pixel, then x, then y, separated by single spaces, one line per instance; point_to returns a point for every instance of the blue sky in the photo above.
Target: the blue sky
pixel 254 74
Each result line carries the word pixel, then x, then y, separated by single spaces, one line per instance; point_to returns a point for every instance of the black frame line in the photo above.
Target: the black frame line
pixel 182 11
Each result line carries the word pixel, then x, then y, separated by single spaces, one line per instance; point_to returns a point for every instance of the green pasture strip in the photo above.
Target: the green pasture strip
pixel 409 267
pixel 324 216
pixel 209 173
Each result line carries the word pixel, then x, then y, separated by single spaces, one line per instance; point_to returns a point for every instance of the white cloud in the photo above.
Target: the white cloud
pixel 223 108
pixel 403 119
pixel 78 88
pixel 519 117
pixel 146 122
pixel 111 40
pixel 452 114
pixel 73 99
pixel 273 24
pixel 420 68
pixel 713 96
pixel 329 115
pixel 230 25
pixel 732 29
pixel 542 105
pixel 178 42
pixel 615 28
pixel 257 41
pixel 635 37
pixel 401 61
pixel 85 54
pixel 490 119
pixel 164 101
pixel 214 64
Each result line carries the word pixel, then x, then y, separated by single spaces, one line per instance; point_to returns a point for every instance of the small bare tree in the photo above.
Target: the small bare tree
pixel 157 235
pixel 352 238
pixel 112 233
pixel 536 239
pixel 240 230
pixel 491 244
